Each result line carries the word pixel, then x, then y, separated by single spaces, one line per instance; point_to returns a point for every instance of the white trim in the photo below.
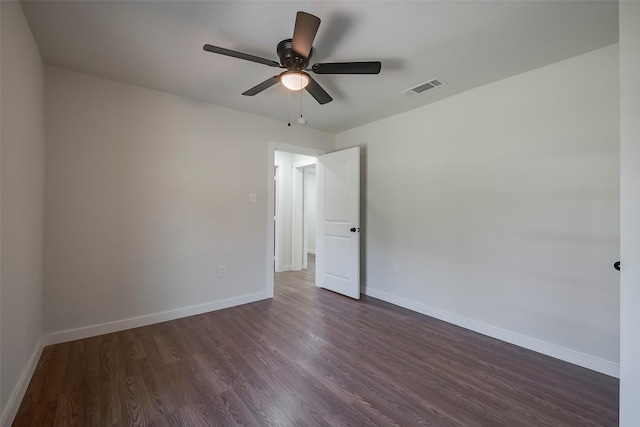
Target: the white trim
pixel 13 404
pixel 305 216
pixel 285 268
pixel 135 322
pixel 297 217
pixel 311 251
pixel 553 350
pixel 309 170
pixel 277 247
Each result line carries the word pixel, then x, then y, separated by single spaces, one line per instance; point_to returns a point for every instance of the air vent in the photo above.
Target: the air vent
pixel 424 87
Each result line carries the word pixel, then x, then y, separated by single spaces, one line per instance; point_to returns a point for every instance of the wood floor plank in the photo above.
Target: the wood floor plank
pixel 310 357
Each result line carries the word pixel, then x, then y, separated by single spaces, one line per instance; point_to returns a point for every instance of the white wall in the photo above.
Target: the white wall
pixel 630 213
pixel 22 189
pixel 147 194
pixel 501 207
pixel 300 160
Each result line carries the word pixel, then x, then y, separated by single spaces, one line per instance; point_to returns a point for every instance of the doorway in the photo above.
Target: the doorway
pixel 294 211
pixel 290 227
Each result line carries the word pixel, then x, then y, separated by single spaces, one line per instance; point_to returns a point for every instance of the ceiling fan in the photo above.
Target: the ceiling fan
pixel 294 56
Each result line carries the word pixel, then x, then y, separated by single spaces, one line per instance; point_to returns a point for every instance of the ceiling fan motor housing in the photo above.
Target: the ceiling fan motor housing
pixel 289 59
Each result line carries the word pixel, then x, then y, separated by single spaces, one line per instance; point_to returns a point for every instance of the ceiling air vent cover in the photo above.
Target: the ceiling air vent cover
pixel 424 87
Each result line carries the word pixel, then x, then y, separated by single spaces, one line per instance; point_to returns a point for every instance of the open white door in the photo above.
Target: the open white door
pixel 338 213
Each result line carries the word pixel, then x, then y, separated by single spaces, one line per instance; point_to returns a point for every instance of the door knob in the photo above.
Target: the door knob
pixel 353 230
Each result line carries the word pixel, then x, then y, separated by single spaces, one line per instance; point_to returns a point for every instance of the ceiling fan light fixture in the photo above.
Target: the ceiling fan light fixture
pixel 294 80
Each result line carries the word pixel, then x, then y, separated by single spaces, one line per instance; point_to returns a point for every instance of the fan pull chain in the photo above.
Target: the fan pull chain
pixel 289 124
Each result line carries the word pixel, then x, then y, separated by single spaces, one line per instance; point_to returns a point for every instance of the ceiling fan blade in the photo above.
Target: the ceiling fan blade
pixel 240 55
pixel 370 67
pixel 262 86
pixel 317 92
pixel 304 32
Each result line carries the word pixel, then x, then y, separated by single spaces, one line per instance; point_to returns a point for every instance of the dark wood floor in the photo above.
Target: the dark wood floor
pixel 310 357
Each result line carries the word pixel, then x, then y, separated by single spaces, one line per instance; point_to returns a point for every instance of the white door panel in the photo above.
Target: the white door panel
pixel 338 244
pixel 336 182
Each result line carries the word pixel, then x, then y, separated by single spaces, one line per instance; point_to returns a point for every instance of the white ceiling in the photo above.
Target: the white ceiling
pixel 158 45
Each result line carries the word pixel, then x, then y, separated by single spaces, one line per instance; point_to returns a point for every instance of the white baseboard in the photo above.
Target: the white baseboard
pixel 284 268
pixel 13 404
pixel 558 352
pixel 135 322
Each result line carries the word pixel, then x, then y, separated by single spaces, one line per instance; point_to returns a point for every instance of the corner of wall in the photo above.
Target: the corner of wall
pixel 15 399
pixel 21 206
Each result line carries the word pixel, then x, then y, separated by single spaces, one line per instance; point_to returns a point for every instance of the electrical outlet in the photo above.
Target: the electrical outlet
pixel 252 197
pixel 223 271
pixel 394 268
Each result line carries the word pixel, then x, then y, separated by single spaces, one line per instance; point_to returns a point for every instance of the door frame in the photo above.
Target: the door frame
pixel 272 146
pixel 277 216
pixel 305 207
